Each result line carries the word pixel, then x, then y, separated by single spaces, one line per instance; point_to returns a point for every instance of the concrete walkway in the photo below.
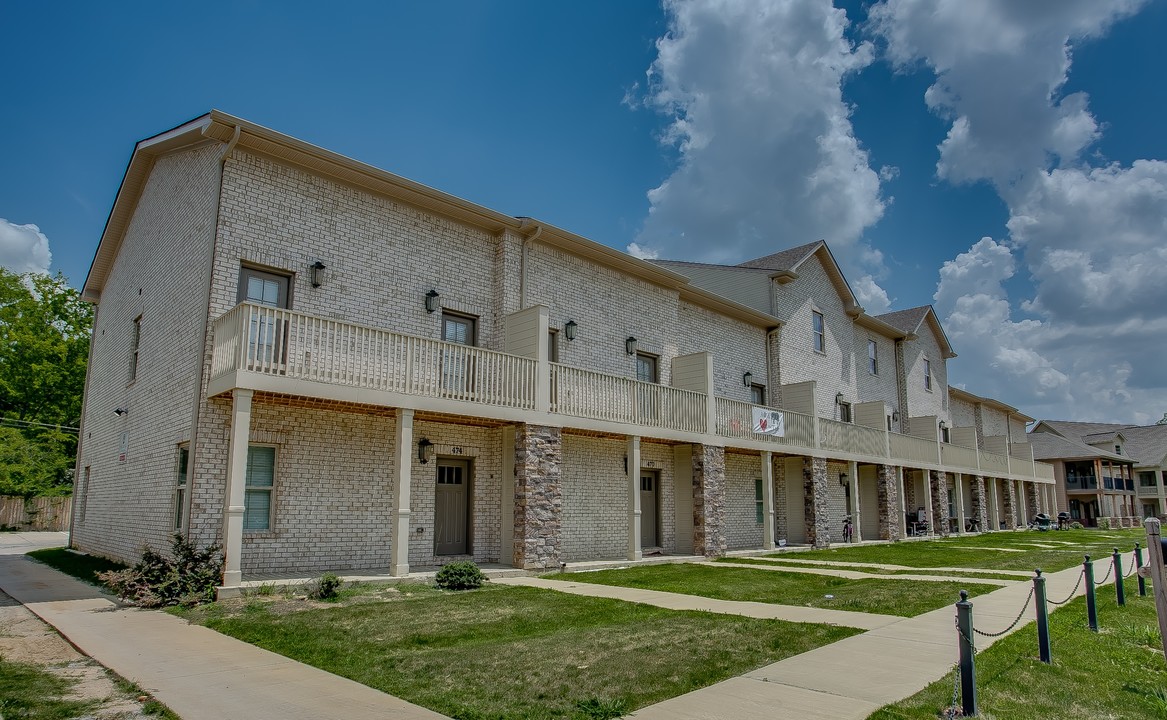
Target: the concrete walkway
pixel 852 678
pixel 859 575
pixel 1019 574
pixel 197 672
pixel 678 601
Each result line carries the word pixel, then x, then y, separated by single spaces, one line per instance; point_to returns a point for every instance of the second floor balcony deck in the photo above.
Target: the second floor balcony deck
pixel 286 352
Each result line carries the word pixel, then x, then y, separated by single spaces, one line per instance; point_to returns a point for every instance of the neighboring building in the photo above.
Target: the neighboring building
pixel 324 366
pixel 1105 469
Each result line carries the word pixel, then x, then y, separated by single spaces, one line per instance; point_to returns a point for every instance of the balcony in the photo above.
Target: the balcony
pixel 284 352
pixel 1081 482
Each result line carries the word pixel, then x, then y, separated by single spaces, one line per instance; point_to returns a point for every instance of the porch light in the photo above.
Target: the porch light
pixel 843 479
pixel 630 345
pixel 747 379
pixel 425 450
pixel 943 425
pixel 569 330
pixel 120 411
pixel 839 398
pixel 317 273
pixel 431 301
pixel 895 415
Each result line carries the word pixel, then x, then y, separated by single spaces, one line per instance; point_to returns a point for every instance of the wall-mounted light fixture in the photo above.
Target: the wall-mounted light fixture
pixel 748 379
pixel 431 300
pixel 317 273
pixel 943 425
pixel 843 479
pixel 625 464
pixel 425 450
pixel 630 345
pixel 895 415
pixel 121 411
pixel 839 398
pixel 569 330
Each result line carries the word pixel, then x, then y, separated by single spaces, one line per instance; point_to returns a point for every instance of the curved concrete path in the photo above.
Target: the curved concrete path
pixel 199 673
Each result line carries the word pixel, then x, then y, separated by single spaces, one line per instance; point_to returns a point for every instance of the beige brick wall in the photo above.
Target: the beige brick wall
pixel 595 499
pixel 996 422
pixel 160 275
pixel 921 401
pixel 963 413
pixel 880 386
pixel 742 529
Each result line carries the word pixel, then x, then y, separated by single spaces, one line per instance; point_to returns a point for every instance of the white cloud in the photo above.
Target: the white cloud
pixel 1088 341
pixel 643 253
pixel 23 248
pixel 767 155
pixel 871 296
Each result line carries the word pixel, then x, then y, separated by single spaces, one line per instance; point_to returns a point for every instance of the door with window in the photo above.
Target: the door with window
pixel 649 499
pixel 458 363
pixel 647 400
pixel 452 508
pixel 267 332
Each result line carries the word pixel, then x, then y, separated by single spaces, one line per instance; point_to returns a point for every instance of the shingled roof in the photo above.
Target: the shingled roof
pixel 788 259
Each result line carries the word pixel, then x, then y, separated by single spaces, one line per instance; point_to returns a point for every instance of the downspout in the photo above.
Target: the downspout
pixel 523 260
pixel 191 459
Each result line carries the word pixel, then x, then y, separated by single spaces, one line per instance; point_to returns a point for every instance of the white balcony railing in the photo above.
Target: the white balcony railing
pixel 835 435
pixel 281 343
pixel 735 419
pixel 583 393
pixel 914 449
pixel 271 341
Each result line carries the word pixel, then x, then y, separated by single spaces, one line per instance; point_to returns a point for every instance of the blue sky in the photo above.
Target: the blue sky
pixel 743 127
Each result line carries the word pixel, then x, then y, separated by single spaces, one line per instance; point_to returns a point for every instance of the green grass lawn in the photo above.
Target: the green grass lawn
pixel 514 652
pixel 982 551
pixel 888 597
pixel 82 567
pixel 869 569
pixel 30 693
pixel 1116 674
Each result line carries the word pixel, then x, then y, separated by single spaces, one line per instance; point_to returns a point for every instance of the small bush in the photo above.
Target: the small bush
pixel 461 575
pixel 187 578
pixel 325 588
pixel 1076 526
pixel 596 709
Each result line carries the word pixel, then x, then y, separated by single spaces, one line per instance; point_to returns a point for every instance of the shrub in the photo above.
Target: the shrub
pixel 461 575
pixel 325 588
pixel 188 577
pixel 1076 526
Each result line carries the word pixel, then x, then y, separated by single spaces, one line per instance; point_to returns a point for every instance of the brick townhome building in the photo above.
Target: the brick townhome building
pixel 324 366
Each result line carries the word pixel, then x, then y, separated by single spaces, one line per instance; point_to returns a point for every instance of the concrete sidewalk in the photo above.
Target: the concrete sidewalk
pixel 197 672
pixel 850 679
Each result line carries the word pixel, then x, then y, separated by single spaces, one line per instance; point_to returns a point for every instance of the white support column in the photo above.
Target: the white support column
pixel 853 481
pixel 768 516
pixel 994 507
pixel 403 449
pixel 236 487
pixel 1023 503
pixel 635 552
pixel 1161 491
pixel 960 518
pixel 926 476
pixel 903 507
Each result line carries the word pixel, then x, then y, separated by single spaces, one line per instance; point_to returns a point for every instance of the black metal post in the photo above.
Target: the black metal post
pixel 1119 585
pixel 1043 648
pixel 1139 564
pixel 968 670
pixel 1091 606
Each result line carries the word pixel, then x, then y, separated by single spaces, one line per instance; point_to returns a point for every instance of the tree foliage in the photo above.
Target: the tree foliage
pixel 44 345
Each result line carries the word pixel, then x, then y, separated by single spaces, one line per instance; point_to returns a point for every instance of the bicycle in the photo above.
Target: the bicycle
pixel 848 530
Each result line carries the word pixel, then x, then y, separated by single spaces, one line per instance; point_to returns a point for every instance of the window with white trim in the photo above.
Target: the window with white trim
pixel 135 341
pixel 757 394
pixel 759 510
pixel 180 486
pixel 820 331
pixel 257 499
pixel 872 357
pixel 927 374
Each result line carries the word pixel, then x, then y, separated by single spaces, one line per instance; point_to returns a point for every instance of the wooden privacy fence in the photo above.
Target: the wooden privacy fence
pixel 41 513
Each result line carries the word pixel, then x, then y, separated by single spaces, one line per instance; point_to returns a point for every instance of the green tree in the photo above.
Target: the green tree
pixel 44 345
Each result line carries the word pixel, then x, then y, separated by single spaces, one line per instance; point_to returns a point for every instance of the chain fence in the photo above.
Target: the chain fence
pixel 1107 577
pixel 1024 607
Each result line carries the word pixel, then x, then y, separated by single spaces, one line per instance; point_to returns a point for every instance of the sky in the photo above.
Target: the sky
pixel 1005 162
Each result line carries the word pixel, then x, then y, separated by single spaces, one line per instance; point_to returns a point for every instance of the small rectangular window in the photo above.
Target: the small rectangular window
pixel 845 412
pixel 83 495
pixel 261 473
pixel 820 332
pixel 135 341
pixel 758 394
pixel 180 487
pixel 459 329
pixel 927 374
pixel 759 511
pixel 872 357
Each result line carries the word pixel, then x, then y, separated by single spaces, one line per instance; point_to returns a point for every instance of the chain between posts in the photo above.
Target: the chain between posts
pixel 1107 577
pixel 1072 592
pixel 953 709
pixel 1019 616
pixel 1134 568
